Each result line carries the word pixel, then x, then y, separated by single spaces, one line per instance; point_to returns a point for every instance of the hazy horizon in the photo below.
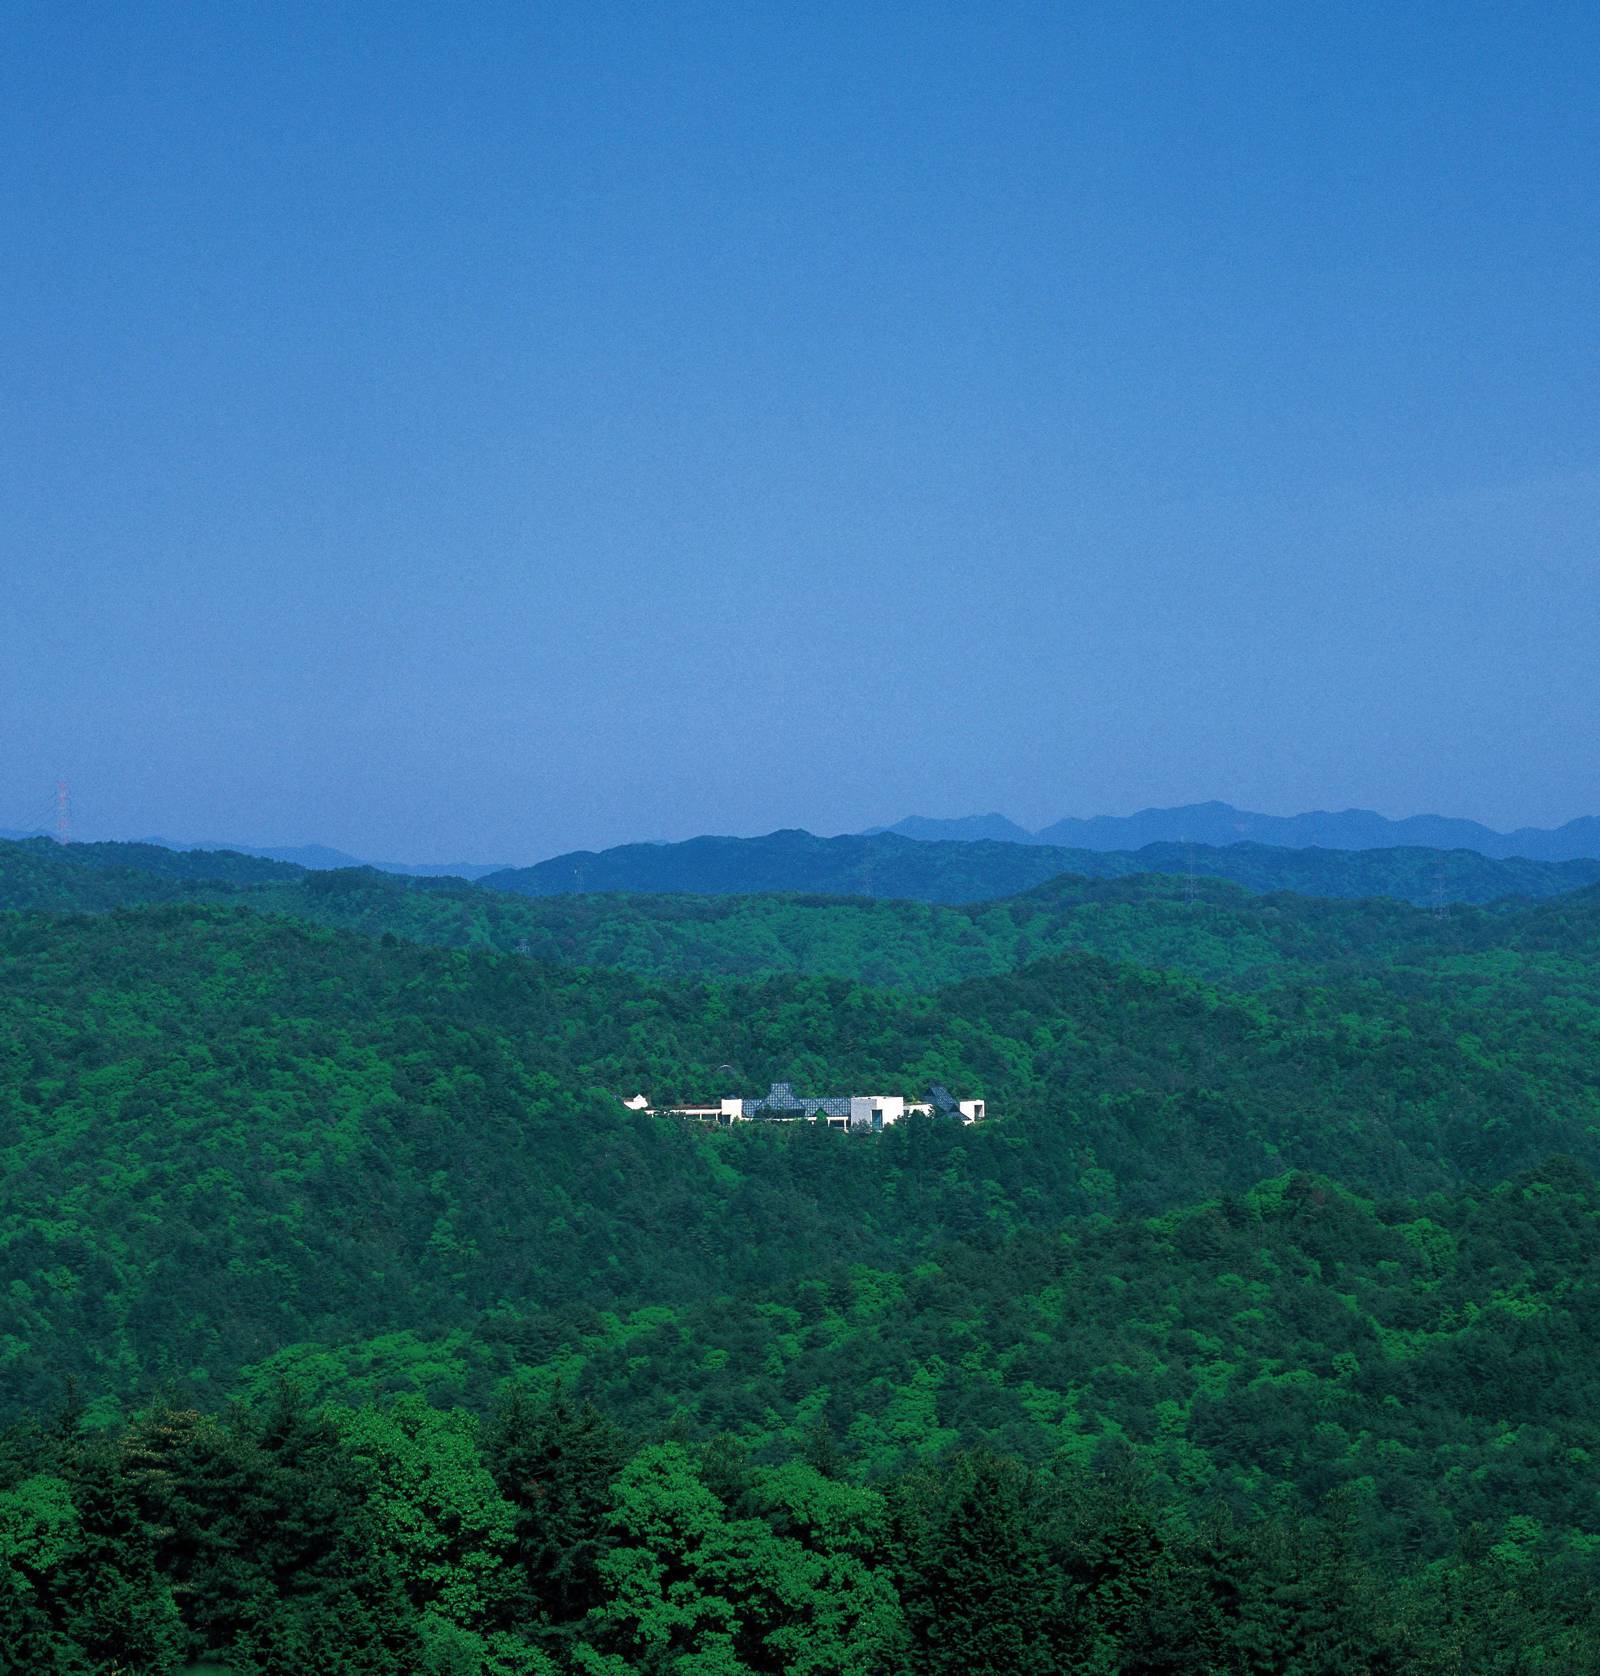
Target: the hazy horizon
pixel 476 437
pixel 248 841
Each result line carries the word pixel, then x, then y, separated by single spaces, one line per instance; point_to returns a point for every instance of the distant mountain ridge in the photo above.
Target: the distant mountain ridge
pixel 1213 825
pixel 890 865
pixel 968 829
pixel 1221 824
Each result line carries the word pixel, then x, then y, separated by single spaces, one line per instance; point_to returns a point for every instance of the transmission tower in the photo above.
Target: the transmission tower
pixel 63 813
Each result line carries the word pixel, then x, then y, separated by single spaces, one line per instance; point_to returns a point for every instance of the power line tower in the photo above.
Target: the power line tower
pixel 63 813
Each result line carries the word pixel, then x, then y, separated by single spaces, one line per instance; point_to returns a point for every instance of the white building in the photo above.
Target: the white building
pixel 859 1113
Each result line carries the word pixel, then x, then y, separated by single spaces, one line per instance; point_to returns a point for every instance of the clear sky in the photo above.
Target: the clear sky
pixel 468 432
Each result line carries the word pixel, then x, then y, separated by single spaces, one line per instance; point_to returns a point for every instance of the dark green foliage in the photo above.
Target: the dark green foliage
pixel 274 1543
pixel 261 1530
pixel 81 1588
pixel 556 1462
pixel 1318 1346
pixel 976 1582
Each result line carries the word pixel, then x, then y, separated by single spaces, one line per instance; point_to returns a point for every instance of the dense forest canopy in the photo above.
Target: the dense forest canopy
pixel 1256 1320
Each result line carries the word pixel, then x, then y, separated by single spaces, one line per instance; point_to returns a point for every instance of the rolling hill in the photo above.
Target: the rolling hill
pixel 1207 927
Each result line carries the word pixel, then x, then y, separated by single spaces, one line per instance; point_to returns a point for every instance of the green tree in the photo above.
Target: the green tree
pixel 437 1508
pixel 975 1579
pixel 554 1462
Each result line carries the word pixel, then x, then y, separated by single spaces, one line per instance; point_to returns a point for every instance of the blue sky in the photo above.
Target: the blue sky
pixel 472 432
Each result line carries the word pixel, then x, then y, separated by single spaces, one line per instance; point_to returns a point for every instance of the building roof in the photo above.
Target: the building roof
pixel 782 1099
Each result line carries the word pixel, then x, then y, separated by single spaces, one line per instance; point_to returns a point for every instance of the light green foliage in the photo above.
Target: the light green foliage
pixel 799 1587
pixel 38 1524
pixel 675 1569
pixel 450 1650
pixel 838 1608
pixel 368 1370
pixel 436 1505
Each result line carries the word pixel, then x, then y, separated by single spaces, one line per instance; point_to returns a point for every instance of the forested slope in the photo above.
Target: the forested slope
pixel 1265 1349
pixel 224 1132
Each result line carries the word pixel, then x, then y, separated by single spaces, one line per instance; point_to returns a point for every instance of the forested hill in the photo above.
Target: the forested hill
pixel 43 872
pixel 887 865
pixel 1207 927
